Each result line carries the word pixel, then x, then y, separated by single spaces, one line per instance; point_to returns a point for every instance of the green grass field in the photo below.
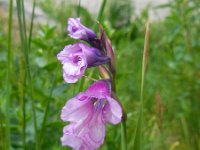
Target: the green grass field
pixel 33 91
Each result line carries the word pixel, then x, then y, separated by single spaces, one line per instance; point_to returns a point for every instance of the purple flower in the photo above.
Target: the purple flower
pixel 79 31
pixel 88 113
pixel 76 58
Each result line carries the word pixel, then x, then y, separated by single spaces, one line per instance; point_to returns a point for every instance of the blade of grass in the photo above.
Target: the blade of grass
pixel 9 67
pixel 186 132
pixel 22 81
pixel 100 14
pixel 46 112
pixel 21 90
pixel 31 25
pixel 79 8
pixel 25 48
pixel 99 18
pixel 2 140
pixel 138 133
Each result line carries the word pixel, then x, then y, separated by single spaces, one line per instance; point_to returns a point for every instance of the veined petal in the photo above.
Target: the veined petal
pixel 67 52
pixel 72 69
pixel 70 139
pixel 96 130
pixel 76 110
pixel 79 34
pixel 99 89
pixel 70 78
pixel 112 111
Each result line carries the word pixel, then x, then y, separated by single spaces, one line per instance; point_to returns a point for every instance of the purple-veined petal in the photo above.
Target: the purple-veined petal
pixel 99 89
pixel 112 111
pixel 70 139
pixel 67 52
pixel 95 134
pixel 70 78
pixel 76 110
pixel 76 58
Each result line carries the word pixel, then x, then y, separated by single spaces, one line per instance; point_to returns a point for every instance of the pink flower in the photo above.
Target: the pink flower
pixel 79 31
pixel 76 58
pixel 88 113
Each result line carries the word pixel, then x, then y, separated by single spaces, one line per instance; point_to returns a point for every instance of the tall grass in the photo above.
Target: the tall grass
pixel 25 45
pixel 9 73
pixel 46 112
pixel 139 127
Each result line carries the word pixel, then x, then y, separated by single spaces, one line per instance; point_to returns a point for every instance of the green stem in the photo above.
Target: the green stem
pixel 123 135
pixel 9 66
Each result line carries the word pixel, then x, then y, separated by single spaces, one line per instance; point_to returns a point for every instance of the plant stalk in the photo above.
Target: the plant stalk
pixel 138 132
pixel 26 48
pixel 9 67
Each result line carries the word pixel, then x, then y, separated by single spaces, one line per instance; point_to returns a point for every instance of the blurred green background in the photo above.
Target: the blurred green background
pixel 171 119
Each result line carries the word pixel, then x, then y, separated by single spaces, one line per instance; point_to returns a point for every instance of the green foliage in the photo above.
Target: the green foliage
pixel 172 83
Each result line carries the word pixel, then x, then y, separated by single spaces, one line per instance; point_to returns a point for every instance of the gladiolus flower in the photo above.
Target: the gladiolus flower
pixel 76 58
pixel 88 113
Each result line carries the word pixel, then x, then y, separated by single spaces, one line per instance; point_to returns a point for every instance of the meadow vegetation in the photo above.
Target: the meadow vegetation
pixel 33 91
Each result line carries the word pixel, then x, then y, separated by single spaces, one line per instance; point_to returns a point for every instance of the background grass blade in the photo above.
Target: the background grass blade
pixel 79 8
pixel 31 24
pixel 138 132
pixel 9 68
pixel 46 112
pixel 100 14
pixel 26 49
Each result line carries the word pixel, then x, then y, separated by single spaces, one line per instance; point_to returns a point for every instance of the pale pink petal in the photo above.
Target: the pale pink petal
pixel 113 111
pixel 72 69
pixel 76 110
pixel 70 78
pixel 106 113
pixel 79 31
pixel 66 52
pixel 96 130
pixel 70 139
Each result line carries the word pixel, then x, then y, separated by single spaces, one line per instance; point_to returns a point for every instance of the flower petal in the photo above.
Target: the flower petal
pixel 77 109
pixel 99 89
pixel 70 139
pixel 112 111
pixel 79 31
pixel 96 131
pixel 94 56
pixel 70 78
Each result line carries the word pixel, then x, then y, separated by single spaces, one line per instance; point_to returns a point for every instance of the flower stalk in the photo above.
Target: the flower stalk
pixel 90 111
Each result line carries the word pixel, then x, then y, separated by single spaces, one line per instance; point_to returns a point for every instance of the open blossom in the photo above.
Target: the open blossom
pixel 76 58
pixel 79 31
pixel 88 113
